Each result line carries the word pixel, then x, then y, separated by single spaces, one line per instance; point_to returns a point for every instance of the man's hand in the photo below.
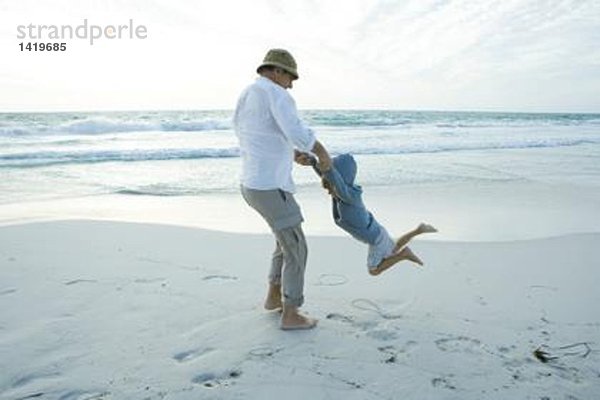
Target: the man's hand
pixel 302 158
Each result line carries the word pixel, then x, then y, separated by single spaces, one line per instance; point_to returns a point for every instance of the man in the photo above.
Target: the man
pixel 271 137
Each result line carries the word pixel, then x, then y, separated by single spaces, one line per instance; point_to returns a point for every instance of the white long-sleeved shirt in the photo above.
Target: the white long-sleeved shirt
pixel 268 128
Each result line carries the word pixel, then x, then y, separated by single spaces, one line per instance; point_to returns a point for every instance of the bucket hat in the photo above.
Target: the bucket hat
pixel 280 58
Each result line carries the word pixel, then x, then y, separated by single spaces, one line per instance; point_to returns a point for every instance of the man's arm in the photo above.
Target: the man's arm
pixel 283 109
pixel 324 160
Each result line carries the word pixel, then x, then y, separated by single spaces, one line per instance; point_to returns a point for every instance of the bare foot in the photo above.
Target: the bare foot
pixel 408 254
pixel 407 237
pixel 426 228
pixel 404 254
pixel 273 301
pixel 291 319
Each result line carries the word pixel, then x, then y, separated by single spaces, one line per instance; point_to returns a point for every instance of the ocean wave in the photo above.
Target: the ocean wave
pixel 107 126
pixel 172 191
pixel 159 193
pixel 49 158
pixel 456 147
pixel 94 126
pixel 443 119
pixel 94 123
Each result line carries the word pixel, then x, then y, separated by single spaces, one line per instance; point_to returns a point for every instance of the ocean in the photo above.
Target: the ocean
pixel 191 153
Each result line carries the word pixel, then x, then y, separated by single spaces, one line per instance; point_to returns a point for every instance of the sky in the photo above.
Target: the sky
pixel 508 55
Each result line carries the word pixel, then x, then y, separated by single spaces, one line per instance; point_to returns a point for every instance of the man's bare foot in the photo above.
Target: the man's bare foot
pixel 291 319
pixel 273 301
pixel 425 228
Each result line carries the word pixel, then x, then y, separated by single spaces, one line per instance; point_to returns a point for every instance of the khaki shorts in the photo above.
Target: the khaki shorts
pixel 283 215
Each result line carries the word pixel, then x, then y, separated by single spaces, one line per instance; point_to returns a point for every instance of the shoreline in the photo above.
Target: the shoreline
pixel 467 212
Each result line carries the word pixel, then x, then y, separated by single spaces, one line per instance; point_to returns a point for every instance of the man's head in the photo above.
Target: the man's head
pixel 280 67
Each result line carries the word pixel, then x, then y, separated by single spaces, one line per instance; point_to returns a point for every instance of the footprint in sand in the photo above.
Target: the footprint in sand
pixel 34 377
pixel 31 396
pixel 505 349
pixel 212 380
pixel 443 382
pixel 263 352
pixel 7 291
pixel 340 317
pixel 76 281
pixel 150 280
pixel 83 395
pixel 392 352
pixel 189 355
pixel 461 344
pixel 220 277
pixel 408 347
pixel 383 334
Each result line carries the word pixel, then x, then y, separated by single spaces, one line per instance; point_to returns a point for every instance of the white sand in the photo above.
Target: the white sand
pixel 107 310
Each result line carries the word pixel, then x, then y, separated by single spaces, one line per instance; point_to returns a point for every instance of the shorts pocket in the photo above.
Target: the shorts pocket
pixel 282 194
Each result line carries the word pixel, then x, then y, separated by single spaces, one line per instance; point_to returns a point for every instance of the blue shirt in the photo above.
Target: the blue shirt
pixel 349 211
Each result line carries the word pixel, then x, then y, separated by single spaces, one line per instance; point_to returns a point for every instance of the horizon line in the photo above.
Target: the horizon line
pixel 482 111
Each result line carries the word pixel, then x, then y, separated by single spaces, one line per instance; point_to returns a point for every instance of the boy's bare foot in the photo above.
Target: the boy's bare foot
pixel 409 255
pixel 291 319
pixel 273 301
pixel 404 254
pixel 426 228
pixel 407 237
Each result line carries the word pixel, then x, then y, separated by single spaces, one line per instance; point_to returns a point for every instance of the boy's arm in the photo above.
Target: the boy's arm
pixel 323 155
pixel 346 193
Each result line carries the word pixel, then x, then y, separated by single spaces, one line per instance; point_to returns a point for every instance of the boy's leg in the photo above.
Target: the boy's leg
pixel 404 254
pixel 407 237
pixel 273 300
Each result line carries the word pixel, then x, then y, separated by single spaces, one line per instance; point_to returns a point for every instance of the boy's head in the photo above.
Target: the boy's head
pixel 346 166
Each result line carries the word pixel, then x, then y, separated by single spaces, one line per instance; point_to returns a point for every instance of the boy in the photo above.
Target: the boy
pixel 350 214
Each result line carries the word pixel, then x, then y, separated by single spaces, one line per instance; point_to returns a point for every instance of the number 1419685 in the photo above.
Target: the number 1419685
pixel 43 46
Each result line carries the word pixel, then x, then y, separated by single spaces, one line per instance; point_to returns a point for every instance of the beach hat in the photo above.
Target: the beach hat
pixel 280 58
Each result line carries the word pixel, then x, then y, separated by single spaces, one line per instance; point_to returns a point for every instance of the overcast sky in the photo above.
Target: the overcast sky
pixel 508 55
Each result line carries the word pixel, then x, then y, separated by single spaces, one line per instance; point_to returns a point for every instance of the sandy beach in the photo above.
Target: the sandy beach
pixel 133 268
pixel 114 310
